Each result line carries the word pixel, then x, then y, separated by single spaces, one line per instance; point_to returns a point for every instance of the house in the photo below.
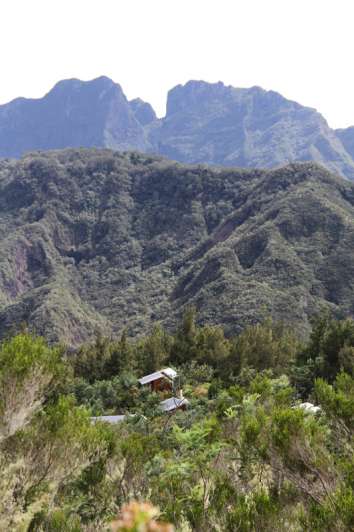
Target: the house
pixel 174 403
pixel 166 380
pixel 160 380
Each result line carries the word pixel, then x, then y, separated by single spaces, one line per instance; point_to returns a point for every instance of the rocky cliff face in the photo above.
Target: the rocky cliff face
pixel 73 114
pixel 143 111
pixel 347 138
pixel 222 125
pixel 205 122
pixel 100 240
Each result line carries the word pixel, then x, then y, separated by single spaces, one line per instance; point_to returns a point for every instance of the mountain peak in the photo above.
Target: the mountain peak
pixel 73 84
pixel 194 92
pixel 143 111
pixel 205 122
pixel 74 113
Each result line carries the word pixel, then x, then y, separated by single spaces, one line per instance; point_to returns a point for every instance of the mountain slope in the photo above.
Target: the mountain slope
pixel 205 122
pixel 94 239
pixel 347 138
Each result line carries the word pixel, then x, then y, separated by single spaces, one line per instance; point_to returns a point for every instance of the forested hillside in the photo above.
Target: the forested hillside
pixel 100 240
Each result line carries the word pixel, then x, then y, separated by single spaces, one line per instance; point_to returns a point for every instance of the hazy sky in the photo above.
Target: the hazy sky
pixel 300 48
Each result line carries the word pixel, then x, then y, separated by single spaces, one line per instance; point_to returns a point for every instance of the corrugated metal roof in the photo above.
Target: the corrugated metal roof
pixel 173 403
pixel 167 372
pixel 108 419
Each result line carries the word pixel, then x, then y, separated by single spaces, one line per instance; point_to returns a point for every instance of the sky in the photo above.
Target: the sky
pixel 300 48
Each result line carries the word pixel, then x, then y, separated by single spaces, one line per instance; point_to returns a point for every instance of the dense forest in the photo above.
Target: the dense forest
pixel 96 240
pixel 244 456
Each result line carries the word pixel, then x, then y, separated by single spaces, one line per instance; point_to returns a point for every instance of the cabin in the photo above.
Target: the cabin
pixel 160 381
pixel 174 403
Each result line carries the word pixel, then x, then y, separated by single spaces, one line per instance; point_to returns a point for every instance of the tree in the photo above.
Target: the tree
pixel 330 348
pixel 90 362
pixel 184 342
pixel 153 350
pixel 29 371
pixel 46 439
pixel 122 357
pixel 264 346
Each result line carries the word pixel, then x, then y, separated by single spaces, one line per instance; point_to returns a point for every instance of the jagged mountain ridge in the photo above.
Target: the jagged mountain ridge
pixel 205 123
pixel 215 124
pixel 73 114
pixel 101 240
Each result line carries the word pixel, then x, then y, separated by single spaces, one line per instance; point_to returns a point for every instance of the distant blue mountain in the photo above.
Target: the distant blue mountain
pixel 204 123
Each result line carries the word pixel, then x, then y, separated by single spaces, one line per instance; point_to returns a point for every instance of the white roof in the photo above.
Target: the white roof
pixel 171 373
pixel 167 372
pixel 309 407
pixel 172 403
pixel 108 419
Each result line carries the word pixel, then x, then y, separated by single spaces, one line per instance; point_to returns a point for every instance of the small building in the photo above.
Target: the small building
pixel 173 403
pixel 113 420
pixel 160 380
pixel 109 419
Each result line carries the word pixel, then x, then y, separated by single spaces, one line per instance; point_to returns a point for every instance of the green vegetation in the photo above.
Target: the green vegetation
pixel 96 240
pixel 243 457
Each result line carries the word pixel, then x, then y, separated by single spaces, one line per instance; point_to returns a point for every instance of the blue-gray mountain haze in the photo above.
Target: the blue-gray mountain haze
pixel 204 123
